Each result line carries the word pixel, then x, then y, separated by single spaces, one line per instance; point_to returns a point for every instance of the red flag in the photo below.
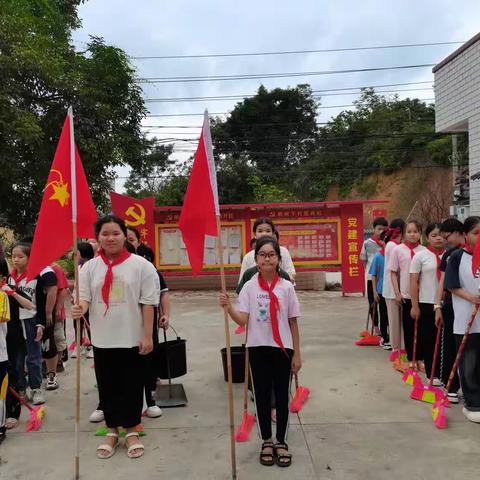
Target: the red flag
pixel 200 204
pixel 137 213
pixel 60 205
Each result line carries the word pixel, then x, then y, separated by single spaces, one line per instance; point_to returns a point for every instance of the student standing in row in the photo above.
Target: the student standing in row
pixel 399 266
pixel 4 318
pixel 464 286
pixel 424 279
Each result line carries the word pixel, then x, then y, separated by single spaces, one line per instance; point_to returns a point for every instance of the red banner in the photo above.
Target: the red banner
pixel 353 275
pixel 137 213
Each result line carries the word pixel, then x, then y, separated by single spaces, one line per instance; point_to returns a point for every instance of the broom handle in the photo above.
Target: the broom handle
pixel 246 377
pixel 460 349
pixel 19 398
pixel 296 381
pixel 414 357
pixel 435 355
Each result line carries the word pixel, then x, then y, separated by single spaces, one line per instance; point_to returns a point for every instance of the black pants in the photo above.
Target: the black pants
pixel 120 385
pixel 371 303
pixel 469 371
pixel 14 407
pixel 408 325
pixel 427 337
pixel 270 367
pixel 448 348
pixel 382 307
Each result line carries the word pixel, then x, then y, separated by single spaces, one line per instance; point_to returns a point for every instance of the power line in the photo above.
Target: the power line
pixel 292 52
pixel 210 78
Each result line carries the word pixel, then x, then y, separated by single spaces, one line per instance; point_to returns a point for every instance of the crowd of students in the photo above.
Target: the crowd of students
pixel 417 285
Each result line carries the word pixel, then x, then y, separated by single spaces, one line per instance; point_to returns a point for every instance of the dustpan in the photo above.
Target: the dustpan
pixel 172 394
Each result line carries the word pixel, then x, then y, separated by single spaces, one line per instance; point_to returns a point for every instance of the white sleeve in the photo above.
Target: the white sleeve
pixel 84 283
pixel 416 264
pixel 286 262
pixel 293 304
pixel 363 253
pixel 243 301
pixel 246 264
pixel 150 285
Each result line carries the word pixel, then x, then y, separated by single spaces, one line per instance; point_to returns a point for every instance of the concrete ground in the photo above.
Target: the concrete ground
pixel 359 422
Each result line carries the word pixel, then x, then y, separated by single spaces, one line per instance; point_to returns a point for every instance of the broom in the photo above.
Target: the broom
pixel 300 397
pixel 429 393
pixel 365 332
pixel 411 376
pixel 368 338
pixel 401 355
pixel 243 432
pixel 438 410
pixel 36 413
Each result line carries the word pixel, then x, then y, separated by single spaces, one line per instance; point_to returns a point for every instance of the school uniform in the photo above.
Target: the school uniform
pixel 116 333
pixel 389 294
pixel 425 263
pixel 376 270
pixel 369 248
pixel 269 364
pixel 459 275
pixel 4 318
pixel 448 346
pixel 286 262
pixel 400 262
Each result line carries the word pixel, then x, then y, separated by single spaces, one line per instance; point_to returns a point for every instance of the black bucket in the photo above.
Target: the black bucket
pixel 238 364
pixel 176 361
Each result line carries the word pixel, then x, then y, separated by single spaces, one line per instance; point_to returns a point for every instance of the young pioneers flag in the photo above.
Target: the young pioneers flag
pixel 66 189
pixel 200 204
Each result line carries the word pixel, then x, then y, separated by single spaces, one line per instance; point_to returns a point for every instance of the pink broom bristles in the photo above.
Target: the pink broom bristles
pixel 240 329
pixel 36 413
pixel 71 347
pixel 301 396
pixel 243 432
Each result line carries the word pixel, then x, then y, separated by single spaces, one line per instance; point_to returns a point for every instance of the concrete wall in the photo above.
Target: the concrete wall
pixel 305 281
pixel 457 106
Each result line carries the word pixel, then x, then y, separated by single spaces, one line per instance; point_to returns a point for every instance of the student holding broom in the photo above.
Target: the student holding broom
pixel 424 278
pixel 464 286
pixel 268 305
pixel 399 267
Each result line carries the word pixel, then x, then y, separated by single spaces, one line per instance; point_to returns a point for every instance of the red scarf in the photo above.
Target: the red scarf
pixel 16 277
pixel 377 240
pixel 274 307
pixel 108 281
pixel 438 254
pixel 412 246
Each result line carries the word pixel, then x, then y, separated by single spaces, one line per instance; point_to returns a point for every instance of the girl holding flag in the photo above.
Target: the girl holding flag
pixel 424 277
pixel 269 306
pixel 120 291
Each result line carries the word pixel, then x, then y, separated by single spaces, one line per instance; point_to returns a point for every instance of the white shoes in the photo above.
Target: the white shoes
pixel 90 352
pixel 472 416
pixel 437 382
pixel 97 416
pixel 36 396
pixel 154 412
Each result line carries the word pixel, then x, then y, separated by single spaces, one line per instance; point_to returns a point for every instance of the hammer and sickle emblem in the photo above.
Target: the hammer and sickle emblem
pixel 137 214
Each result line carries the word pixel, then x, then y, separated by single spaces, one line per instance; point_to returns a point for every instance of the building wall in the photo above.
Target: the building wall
pixel 457 105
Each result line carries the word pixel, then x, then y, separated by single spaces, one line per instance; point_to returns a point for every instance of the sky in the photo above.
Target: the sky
pixel 180 27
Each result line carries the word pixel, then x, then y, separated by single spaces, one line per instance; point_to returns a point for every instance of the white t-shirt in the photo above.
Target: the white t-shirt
pixel 285 263
pixel 369 248
pixel 135 283
pixel 425 263
pixel 388 291
pixel 256 302
pixel 399 262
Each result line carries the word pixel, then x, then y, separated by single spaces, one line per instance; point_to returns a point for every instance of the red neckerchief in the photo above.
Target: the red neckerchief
pixel 382 250
pixel 412 247
pixel 274 307
pixel 468 249
pixel 438 254
pixel 9 292
pixel 377 240
pixel 108 281
pixel 17 278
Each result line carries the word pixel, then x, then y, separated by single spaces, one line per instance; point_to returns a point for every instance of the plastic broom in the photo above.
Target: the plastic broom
pixel 36 413
pixel 300 397
pixel 411 376
pixel 365 332
pixel 368 337
pixel 438 411
pixel 429 393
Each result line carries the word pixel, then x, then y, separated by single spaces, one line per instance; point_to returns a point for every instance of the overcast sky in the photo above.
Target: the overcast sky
pixel 180 27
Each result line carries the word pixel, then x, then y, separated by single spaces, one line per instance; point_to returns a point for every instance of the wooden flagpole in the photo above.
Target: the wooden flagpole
pixel 229 353
pixel 73 179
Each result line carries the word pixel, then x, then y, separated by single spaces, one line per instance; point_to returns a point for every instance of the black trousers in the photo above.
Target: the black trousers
pixel 408 325
pixel 469 371
pixel 120 385
pixel 14 407
pixel 271 368
pixel 427 337
pixel 371 303
pixel 382 307
pixel 448 348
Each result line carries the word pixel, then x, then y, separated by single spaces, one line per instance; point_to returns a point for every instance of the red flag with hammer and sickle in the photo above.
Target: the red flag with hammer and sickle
pixel 137 213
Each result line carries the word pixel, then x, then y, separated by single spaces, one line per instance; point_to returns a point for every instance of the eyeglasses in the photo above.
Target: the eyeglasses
pixel 267 255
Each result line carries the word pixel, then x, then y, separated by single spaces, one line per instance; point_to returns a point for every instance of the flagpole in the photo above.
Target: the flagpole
pixel 73 179
pixel 229 353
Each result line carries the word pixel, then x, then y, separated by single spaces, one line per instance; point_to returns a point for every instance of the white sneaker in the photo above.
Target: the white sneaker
pixel 52 381
pixel 97 416
pixel 386 346
pixel 90 352
pixel 74 353
pixel 37 396
pixel 472 416
pixel 437 382
pixel 453 397
pixel 154 412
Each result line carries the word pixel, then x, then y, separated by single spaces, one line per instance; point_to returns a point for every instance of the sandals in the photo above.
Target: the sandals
pixel 108 448
pixel 11 422
pixel 282 459
pixel 135 446
pixel 267 459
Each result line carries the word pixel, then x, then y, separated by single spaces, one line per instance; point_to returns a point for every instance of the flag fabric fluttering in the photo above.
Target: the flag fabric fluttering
pixel 200 204
pixel 62 203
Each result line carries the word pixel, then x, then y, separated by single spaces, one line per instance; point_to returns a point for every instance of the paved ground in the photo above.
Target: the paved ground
pixel 358 424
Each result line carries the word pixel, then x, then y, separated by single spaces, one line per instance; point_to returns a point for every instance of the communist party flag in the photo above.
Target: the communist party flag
pixel 137 213
pixel 65 200
pixel 200 204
